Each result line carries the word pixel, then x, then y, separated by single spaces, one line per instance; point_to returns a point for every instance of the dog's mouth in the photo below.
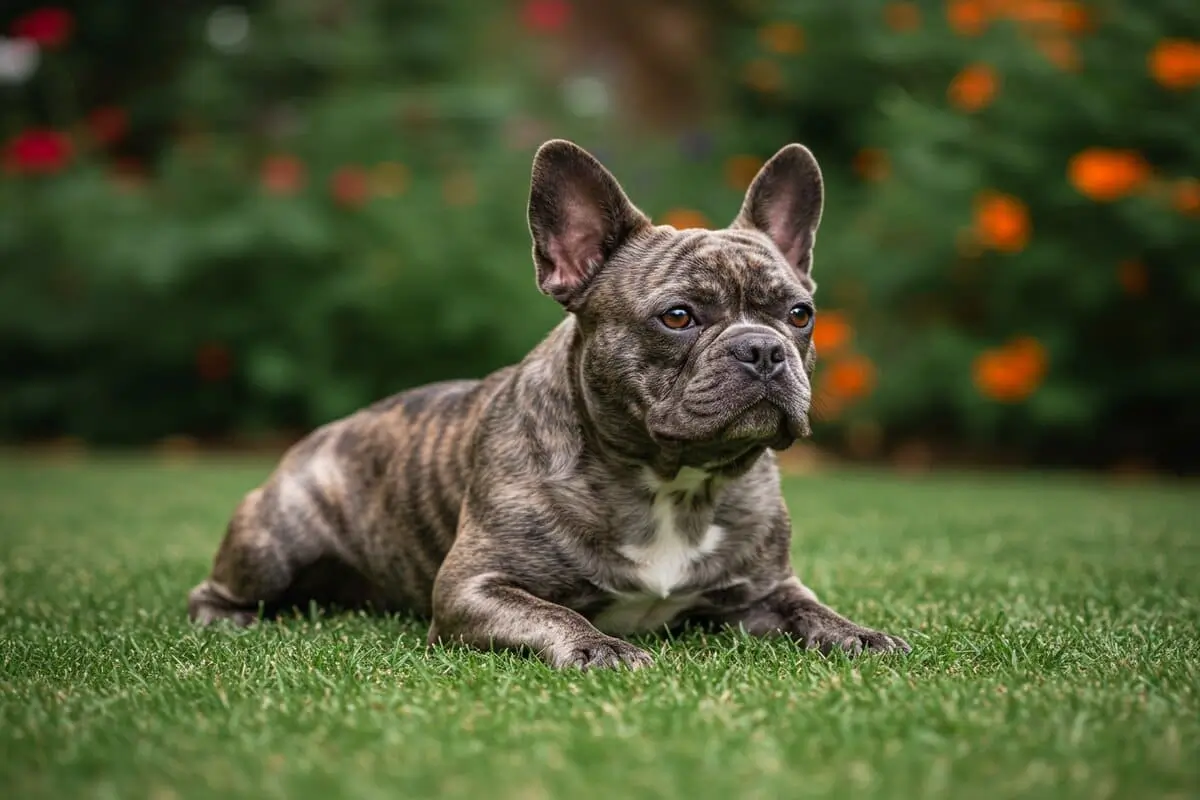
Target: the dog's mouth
pixel 759 422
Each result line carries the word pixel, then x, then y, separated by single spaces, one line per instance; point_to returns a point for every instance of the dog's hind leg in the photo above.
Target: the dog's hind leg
pixel 265 562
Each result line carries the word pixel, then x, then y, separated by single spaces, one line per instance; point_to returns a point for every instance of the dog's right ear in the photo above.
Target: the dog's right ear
pixel 578 216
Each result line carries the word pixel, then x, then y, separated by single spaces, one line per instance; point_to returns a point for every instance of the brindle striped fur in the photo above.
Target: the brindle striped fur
pixel 619 478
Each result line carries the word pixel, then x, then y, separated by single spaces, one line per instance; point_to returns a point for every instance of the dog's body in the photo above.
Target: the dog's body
pixel 617 480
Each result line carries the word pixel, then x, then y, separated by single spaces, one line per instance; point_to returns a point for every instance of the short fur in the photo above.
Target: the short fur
pixel 620 478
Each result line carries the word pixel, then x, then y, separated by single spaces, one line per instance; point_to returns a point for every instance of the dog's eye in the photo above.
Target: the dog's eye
pixel 677 319
pixel 800 316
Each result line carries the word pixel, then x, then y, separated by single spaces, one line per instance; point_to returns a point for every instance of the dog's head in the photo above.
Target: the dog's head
pixel 694 343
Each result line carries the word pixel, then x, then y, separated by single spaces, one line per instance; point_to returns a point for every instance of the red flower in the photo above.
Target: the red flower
pixel 49 27
pixel 349 186
pixel 545 16
pixel 108 124
pixel 37 152
pixel 282 174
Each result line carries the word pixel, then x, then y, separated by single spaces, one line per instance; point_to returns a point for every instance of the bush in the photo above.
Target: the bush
pixel 1017 257
pixel 268 219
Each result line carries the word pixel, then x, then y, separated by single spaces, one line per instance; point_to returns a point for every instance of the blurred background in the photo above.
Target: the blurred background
pixel 223 224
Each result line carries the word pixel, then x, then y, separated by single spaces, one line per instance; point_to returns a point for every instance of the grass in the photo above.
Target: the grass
pixel 1055 623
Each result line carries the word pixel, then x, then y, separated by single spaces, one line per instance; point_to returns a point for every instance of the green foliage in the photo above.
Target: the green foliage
pixel 332 208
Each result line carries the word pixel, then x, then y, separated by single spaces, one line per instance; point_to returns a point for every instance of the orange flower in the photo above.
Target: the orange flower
pixel 1131 274
pixel 831 332
pixel 763 75
pixel 967 17
pixel 1061 15
pixel 1175 63
pixel 902 17
pixel 1010 373
pixel 973 88
pixel 872 164
pixel 851 378
pixel 1185 196
pixel 1104 175
pixel 683 218
pixel 1059 51
pixel 740 171
pixel 826 405
pixel 784 38
pixel 281 174
pixel 1001 222
pixel 349 186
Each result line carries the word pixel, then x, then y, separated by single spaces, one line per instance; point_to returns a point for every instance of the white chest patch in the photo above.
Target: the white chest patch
pixel 661 564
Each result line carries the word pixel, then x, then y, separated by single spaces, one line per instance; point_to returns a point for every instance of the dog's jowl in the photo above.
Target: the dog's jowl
pixel 620 479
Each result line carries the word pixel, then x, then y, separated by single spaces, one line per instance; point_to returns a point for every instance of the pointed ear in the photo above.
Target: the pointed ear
pixel 784 201
pixel 578 216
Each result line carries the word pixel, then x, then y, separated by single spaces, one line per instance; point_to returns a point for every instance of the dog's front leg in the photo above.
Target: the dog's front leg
pixel 488 611
pixel 793 610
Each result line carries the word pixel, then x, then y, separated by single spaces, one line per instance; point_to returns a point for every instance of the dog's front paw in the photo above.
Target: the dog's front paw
pixel 599 652
pixel 828 634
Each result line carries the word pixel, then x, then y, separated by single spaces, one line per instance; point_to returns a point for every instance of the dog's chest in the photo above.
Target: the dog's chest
pixel 660 568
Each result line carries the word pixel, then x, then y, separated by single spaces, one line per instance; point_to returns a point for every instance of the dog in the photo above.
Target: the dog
pixel 620 479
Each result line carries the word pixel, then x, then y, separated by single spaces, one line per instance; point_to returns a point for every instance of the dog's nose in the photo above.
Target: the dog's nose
pixel 761 354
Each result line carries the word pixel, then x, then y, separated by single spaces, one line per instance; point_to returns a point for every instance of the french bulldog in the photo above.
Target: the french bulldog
pixel 620 479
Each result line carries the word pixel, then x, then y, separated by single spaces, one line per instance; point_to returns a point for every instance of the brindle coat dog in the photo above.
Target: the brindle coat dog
pixel 619 479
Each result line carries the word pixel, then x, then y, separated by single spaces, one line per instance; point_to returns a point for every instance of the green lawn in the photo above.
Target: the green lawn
pixel 1055 623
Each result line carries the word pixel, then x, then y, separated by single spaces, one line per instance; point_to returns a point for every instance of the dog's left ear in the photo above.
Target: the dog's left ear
pixel 784 201
pixel 578 216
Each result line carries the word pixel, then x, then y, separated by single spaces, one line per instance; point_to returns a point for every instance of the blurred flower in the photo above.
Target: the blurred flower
pixel 782 38
pixel 1131 274
pixel 967 17
pixel 1010 373
pixel 459 189
pixel 281 174
pixel 851 377
pixel 213 362
pixel 228 28
pixel 741 170
pixel 831 332
pixel 108 124
pixel 826 405
pixel 763 75
pixel 1105 175
pixel 973 88
pixel 683 218
pixel 38 151
pixel 50 27
pixel 1185 196
pixel 1001 222
pixel 1059 15
pixel 1059 51
pixel 389 179
pixel 349 186
pixel 1175 63
pixel 902 17
pixel 545 16
pixel 872 164
pixel 18 60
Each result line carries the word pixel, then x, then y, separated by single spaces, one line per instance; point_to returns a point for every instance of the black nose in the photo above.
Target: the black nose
pixel 761 354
